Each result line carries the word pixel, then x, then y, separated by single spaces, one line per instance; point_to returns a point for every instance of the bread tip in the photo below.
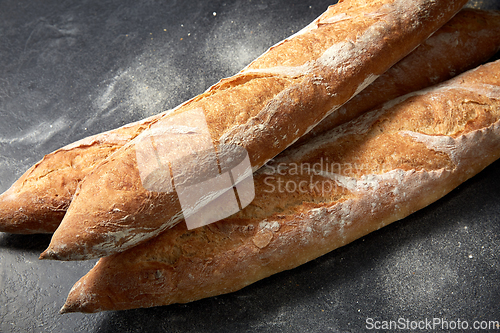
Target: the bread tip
pixel 49 254
pixel 65 309
pixel 64 253
pixel 69 308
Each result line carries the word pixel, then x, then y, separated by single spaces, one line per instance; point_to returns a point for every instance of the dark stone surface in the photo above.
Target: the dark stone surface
pixel 69 69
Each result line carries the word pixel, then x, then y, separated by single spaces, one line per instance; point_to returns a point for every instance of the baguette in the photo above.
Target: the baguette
pixel 380 168
pixel 427 66
pixel 37 201
pixel 263 109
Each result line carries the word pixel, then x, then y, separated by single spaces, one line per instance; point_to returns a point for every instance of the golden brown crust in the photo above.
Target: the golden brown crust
pixel 112 212
pixel 456 125
pixel 38 200
pixel 445 54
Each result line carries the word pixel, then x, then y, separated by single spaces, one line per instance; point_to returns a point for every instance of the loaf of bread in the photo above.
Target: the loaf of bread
pixel 430 64
pixel 270 104
pixel 314 198
pixel 37 202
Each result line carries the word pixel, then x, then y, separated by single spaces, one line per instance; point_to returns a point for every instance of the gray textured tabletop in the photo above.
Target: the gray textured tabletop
pixel 69 69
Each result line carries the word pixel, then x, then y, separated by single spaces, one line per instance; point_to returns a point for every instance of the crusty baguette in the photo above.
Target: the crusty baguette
pixel 426 66
pixel 336 188
pixel 270 104
pixel 37 202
